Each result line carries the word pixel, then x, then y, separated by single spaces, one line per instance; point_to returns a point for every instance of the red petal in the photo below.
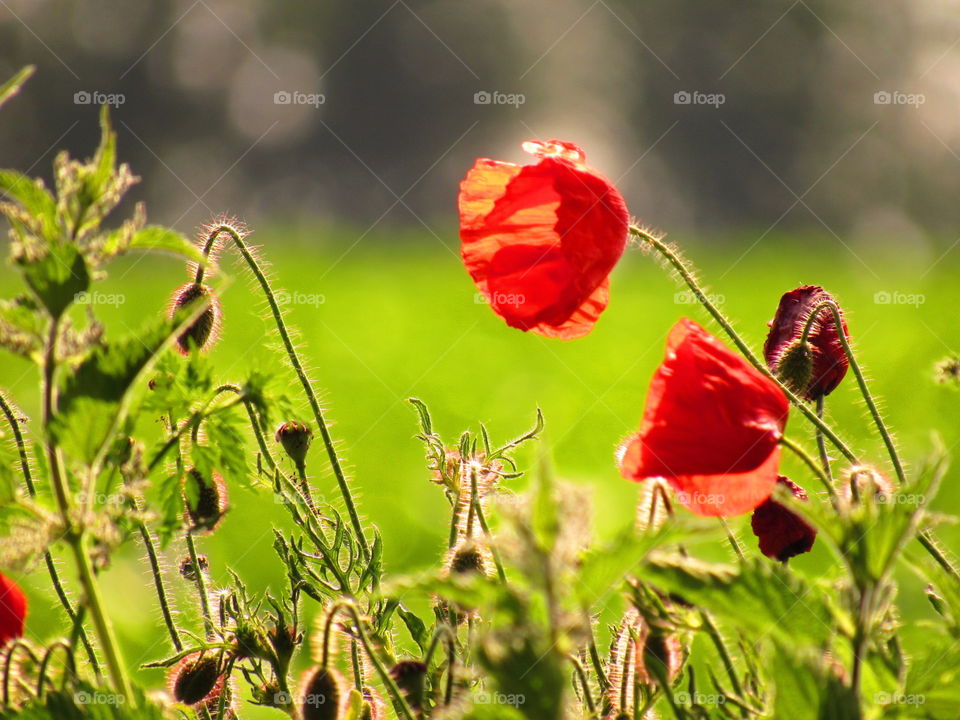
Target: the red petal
pixel 708 412
pixel 729 494
pixel 540 240
pixel 13 610
pixel 781 532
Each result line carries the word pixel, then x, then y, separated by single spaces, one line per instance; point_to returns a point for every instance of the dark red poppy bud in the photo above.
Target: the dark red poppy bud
pixel 205 499
pixel 204 330
pixel 13 610
pixel 409 675
pixel 195 678
pixel 782 533
pixel 322 695
pixel 829 359
pixel 187 571
pixel 295 437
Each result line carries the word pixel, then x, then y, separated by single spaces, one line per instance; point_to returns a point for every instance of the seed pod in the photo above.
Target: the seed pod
pixel 321 695
pixel 195 679
pixel 409 675
pixel 204 331
pixel 295 437
pixel 205 499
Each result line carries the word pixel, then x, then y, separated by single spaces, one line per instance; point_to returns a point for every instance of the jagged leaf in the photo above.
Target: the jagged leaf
pixel 58 277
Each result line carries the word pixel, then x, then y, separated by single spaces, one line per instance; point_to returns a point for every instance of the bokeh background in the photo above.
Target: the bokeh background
pixel 779 143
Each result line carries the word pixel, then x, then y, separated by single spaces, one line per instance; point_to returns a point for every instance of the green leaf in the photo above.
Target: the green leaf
pixel 809 689
pixel 758 595
pixel 153 238
pixel 418 631
pixel 57 278
pixel 33 197
pixel 12 86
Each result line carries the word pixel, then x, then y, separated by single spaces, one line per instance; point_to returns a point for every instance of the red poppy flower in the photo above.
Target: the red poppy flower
pixel 782 533
pixel 711 428
pixel 540 240
pixel 829 359
pixel 13 610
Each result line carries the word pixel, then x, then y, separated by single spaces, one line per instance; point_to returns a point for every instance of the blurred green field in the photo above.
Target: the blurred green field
pixel 390 316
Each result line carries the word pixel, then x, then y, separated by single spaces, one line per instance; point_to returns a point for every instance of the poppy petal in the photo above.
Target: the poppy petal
pixel 729 494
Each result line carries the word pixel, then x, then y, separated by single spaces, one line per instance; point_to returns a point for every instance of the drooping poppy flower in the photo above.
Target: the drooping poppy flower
pixel 540 240
pixel 782 533
pixel 13 610
pixel 711 427
pixel 828 362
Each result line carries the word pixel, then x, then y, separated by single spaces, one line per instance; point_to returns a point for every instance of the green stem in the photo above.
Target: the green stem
pixel 298 369
pixel 811 463
pixel 444 632
pixel 76 536
pixel 200 582
pixel 159 585
pixel 821 445
pixel 722 651
pixel 582 676
pixel 677 263
pixel 833 308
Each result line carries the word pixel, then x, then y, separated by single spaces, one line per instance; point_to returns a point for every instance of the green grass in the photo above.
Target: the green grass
pixel 399 319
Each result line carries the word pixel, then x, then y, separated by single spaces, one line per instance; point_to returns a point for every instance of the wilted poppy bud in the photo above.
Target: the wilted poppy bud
pixel 409 675
pixel 321 695
pixel 295 437
pixel 187 570
pixel 862 481
pixel 194 679
pixel 203 332
pixel 782 533
pixel 829 359
pixel 205 499
pixel 13 610
pixel 468 558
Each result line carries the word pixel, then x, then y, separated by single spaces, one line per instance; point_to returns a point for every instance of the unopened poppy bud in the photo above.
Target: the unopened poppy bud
pixel 661 656
pixel 187 570
pixel 782 533
pixel 795 366
pixel 861 482
pixel 468 558
pixel 284 642
pixel 321 695
pixel 202 333
pixel 295 437
pixel 194 679
pixel 409 675
pixel 250 642
pixel 205 499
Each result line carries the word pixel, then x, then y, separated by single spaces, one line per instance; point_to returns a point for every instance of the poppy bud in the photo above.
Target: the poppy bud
pixel 13 610
pixel 195 678
pixel 187 571
pixel 829 361
pixel 795 366
pixel 409 675
pixel 468 558
pixel 861 481
pixel 295 438
pixel 661 656
pixel 284 642
pixel 937 601
pixel 782 533
pixel 250 642
pixel 205 499
pixel 203 332
pixel 321 696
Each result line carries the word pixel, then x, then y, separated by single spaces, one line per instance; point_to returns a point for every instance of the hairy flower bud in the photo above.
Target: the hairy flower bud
pixel 795 366
pixel 205 499
pixel 782 533
pixel 467 558
pixel 203 332
pixel 295 437
pixel 322 695
pixel 409 675
pixel 195 678
pixel 861 482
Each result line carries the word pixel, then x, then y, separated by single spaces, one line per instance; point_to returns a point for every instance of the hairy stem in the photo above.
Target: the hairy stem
pixel 821 444
pixel 810 463
pixel 294 358
pixel 200 582
pixel 677 263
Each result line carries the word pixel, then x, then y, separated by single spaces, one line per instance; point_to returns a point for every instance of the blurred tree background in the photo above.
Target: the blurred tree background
pixel 799 141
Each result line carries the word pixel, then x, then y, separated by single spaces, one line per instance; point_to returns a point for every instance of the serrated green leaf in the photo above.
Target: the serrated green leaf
pixel 415 626
pixel 58 278
pixel 155 238
pixel 30 194
pixel 809 689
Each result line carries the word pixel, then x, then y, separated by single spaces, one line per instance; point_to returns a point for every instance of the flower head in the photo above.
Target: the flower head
pixel 205 330
pixel 829 361
pixel 782 533
pixel 711 427
pixel 13 610
pixel 196 679
pixel 540 240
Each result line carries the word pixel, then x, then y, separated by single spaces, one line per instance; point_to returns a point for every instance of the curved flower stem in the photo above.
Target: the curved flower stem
pixel 237 238
pixel 811 463
pixel 677 263
pixel 832 306
pixel 24 459
pixel 75 536
pixel 399 701
pixel 821 445
pixel 582 676
pixel 159 586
